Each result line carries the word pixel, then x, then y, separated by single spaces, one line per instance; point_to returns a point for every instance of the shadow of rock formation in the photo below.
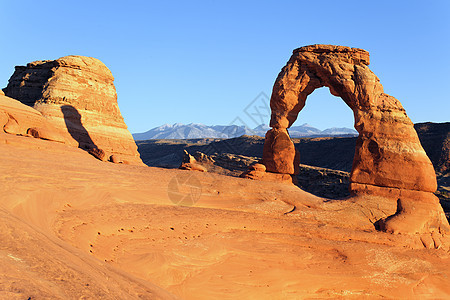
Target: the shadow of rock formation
pixel 75 127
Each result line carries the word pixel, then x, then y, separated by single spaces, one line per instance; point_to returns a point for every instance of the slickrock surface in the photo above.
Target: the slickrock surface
pixel 389 159
pixel 19 119
pixel 66 234
pixel 76 93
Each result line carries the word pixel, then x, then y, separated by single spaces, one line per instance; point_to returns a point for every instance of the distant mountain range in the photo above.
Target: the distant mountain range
pixel 200 131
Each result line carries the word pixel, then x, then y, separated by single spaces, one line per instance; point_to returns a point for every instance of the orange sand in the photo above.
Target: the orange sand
pixel 73 227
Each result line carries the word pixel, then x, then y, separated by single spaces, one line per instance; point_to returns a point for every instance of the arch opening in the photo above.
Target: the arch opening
pixel 324 110
pixel 326 154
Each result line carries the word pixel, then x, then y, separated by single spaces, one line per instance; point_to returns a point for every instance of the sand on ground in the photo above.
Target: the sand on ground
pixel 74 227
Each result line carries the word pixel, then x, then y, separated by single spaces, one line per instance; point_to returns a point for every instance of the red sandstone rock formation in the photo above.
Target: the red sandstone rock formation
pixel 77 94
pixel 19 119
pixel 389 159
pixel 279 154
pixel 190 162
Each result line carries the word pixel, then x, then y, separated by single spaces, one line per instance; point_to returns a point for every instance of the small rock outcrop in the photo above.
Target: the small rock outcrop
pixel 77 94
pixel 190 163
pixel 115 159
pixel 389 160
pixel 98 154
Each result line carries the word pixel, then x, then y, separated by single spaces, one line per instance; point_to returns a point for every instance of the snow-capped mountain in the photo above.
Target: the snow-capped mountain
pixel 304 130
pixel 199 131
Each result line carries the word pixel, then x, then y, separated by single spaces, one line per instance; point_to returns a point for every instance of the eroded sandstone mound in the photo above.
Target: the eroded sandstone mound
pixel 389 160
pixel 77 94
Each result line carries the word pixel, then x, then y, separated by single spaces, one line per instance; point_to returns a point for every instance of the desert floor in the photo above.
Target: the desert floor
pixel 72 227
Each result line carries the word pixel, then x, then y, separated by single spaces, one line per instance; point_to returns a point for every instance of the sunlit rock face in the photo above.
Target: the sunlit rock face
pixel 17 118
pixel 389 159
pixel 76 93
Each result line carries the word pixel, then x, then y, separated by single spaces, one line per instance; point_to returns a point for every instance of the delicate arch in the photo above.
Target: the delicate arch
pixel 389 160
pixel 386 135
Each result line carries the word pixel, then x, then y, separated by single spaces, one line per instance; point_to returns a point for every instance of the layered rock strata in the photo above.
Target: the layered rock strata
pixel 77 94
pixel 389 160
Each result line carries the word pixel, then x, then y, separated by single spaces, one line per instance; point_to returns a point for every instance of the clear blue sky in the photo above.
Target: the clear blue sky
pixel 205 61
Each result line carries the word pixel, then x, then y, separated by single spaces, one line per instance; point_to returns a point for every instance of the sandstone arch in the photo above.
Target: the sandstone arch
pixel 389 159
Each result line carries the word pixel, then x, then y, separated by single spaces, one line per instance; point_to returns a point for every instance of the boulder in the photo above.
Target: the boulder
pixel 115 159
pixel 76 94
pixel 98 153
pixel 257 167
